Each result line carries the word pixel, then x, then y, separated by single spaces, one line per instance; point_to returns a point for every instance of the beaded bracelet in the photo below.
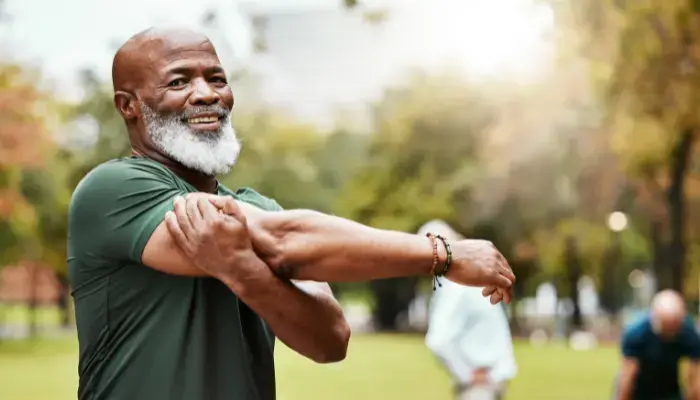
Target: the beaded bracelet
pixel 436 258
pixel 448 261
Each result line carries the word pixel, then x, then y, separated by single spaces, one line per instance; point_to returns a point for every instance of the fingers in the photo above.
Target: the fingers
pixel 193 211
pixel 181 217
pixel 207 210
pixel 500 295
pixel 229 206
pixel 496 297
pixel 504 268
pixel 175 230
pixel 488 291
pixel 507 295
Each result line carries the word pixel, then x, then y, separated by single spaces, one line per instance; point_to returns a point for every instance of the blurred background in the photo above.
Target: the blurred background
pixel 564 131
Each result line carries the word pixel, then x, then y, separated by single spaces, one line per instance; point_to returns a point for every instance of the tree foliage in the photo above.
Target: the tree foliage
pixel 651 95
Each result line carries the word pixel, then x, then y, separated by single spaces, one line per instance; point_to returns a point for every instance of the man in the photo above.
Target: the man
pixel 652 349
pixel 471 337
pixel 180 284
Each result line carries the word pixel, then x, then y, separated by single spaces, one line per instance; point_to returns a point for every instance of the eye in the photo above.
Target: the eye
pixel 219 79
pixel 177 82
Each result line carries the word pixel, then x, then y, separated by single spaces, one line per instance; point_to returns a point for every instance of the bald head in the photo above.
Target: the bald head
pixel 171 90
pixel 137 56
pixel 667 312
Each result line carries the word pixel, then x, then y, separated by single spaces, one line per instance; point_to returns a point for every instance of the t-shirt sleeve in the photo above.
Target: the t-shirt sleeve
pixel 692 341
pixel 116 208
pixel 632 343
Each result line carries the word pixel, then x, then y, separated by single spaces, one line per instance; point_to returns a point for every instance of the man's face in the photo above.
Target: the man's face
pixel 186 107
pixel 667 326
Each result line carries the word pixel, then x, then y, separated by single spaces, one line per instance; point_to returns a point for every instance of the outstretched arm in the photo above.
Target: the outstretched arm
pixel 307 245
pixel 303 244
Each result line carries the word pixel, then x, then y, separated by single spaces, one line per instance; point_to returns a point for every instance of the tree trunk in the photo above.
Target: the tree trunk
pixel 33 299
pixel 64 300
pixel 573 266
pixel 611 297
pixel 391 298
pixel 659 261
pixel 680 157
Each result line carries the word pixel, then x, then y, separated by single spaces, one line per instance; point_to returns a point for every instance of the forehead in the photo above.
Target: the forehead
pixel 177 54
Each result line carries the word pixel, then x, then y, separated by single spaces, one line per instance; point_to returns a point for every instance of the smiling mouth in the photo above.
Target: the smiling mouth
pixel 203 120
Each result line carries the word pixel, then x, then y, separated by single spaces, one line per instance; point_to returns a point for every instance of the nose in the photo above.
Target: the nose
pixel 203 94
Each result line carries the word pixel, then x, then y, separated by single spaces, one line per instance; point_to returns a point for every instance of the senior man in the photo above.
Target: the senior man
pixel 181 285
pixel 652 349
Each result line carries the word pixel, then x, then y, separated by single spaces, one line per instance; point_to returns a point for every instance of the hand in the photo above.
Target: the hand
pixel 214 240
pixel 481 377
pixel 479 263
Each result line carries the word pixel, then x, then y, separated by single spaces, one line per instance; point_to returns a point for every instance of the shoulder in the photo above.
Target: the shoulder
pixel 122 169
pixel 637 331
pixel 112 176
pixel 250 196
pixel 690 332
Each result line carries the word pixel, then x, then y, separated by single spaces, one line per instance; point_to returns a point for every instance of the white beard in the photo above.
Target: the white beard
pixel 211 153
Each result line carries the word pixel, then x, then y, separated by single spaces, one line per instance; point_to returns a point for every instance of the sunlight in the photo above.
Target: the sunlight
pixel 496 38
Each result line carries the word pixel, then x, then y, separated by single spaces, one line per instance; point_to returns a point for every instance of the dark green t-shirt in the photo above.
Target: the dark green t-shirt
pixel 144 334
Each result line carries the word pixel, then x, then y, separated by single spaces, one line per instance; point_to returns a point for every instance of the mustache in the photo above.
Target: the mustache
pixel 217 109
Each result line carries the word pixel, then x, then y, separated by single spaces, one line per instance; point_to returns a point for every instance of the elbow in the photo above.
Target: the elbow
pixel 336 347
pixel 280 247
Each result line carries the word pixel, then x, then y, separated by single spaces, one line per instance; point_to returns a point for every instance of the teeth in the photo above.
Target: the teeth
pixel 202 120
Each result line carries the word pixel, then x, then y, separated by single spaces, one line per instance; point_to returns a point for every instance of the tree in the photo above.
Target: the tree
pixel 422 159
pixel 652 100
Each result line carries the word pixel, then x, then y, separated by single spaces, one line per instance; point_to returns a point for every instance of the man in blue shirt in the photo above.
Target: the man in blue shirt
pixel 652 349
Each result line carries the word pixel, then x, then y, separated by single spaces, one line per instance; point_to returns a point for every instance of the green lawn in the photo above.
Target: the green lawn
pixel 385 367
pixel 20 315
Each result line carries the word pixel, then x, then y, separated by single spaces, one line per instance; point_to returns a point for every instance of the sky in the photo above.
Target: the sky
pixel 62 37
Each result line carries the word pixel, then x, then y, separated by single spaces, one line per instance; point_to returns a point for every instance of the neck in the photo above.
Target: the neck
pixel 201 182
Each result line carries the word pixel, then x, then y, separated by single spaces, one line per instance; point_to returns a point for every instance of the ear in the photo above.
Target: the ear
pixel 126 104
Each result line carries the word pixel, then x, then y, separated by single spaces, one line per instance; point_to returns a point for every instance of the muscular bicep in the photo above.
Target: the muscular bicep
pixel 163 254
pixel 630 367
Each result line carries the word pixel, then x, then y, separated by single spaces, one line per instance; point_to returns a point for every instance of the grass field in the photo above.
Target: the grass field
pixel 386 367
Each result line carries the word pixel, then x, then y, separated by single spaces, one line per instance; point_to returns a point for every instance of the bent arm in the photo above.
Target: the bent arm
pixel 694 380
pixel 303 315
pixel 630 367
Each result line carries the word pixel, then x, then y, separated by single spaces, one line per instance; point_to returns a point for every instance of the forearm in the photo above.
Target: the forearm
pixel 309 321
pixel 307 245
pixel 694 383
pixel 624 391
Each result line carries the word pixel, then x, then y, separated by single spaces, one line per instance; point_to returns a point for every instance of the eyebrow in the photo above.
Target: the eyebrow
pixel 184 70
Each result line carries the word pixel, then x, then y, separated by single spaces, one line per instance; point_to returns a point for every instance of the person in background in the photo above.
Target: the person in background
pixel 471 337
pixel 652 349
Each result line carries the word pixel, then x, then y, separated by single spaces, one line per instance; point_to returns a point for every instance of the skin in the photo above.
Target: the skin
pixel 170 71
pixel 667 313
pixel 255 252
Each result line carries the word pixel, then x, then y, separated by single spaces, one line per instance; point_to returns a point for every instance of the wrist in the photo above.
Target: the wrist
pixel 245 274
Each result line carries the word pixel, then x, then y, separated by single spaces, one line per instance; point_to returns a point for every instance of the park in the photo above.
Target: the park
pixel 386 366
pixel 565 133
